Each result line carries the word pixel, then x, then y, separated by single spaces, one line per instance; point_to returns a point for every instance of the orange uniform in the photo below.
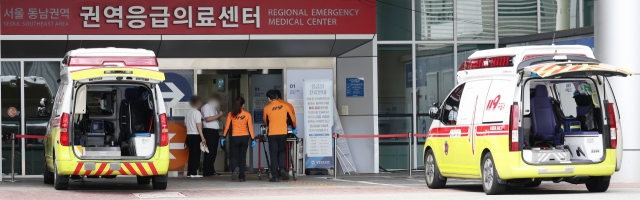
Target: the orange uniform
pixel 277 115
pixel 241 125
pixel 293 111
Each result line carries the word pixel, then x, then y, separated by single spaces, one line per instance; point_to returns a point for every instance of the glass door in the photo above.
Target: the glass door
pixel 11 106
pixel 40 87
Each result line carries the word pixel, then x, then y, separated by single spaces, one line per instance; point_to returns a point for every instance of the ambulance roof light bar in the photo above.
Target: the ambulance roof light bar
pixel 483 63
pixel 142 61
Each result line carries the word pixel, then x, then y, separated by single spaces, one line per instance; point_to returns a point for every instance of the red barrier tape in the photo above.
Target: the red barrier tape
pixel 401 135
pixel 420 135
pixel 30 136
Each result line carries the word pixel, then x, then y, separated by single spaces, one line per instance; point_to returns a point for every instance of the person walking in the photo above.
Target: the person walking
pixel 240 124
pixel 278 116
pixel 193 122
pixel 293 112
pixel 211 125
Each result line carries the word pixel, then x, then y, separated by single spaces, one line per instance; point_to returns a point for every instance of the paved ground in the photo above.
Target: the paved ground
pixel 381 186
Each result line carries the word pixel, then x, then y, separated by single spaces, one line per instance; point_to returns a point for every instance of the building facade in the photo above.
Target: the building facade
pixel 406 51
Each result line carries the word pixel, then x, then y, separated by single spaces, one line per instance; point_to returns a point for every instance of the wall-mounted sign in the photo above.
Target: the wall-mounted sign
pixel 187 17
pixel 355 87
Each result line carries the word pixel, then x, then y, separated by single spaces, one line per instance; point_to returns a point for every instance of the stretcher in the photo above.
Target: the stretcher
pixel 290 156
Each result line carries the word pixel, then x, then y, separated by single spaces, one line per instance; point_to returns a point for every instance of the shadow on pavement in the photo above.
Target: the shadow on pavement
pixel 516 190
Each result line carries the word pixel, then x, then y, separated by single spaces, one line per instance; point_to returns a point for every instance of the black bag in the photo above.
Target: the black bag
pixel 559 115
pixel 134 118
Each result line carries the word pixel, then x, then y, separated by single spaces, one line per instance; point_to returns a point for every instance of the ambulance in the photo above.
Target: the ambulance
pixel 108 119
pixel 523 115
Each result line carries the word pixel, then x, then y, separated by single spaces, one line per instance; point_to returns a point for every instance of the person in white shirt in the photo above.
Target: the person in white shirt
pixel 193 122
pixel 211 126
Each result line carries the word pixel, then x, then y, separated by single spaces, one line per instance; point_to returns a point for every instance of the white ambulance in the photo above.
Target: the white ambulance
pixel 108 119
pixel 523 115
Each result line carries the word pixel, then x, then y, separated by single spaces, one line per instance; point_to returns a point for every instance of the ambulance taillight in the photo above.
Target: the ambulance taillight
pixel 513 128
pixel 105 60
pixel 164 130
pixel 613 127
pixel 64 129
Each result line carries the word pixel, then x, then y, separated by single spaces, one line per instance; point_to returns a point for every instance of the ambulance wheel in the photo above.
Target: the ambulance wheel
pixel 60 182
pixel 48 176
pixel 159 182
pixel 490 180
pixel 432 172
pixel 534 183
pixel 143 180
pixel 599 184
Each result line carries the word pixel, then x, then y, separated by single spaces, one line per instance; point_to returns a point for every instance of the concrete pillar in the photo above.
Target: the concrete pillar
pixel 562 15
pixel 617 43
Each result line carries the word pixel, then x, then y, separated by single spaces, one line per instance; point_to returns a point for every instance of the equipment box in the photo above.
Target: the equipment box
pixel 142 144
pixel 585 145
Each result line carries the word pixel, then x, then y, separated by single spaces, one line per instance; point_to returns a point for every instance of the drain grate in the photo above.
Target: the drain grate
pixel 153 195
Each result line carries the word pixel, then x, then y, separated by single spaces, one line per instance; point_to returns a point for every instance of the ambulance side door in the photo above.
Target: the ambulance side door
pixel 447 131
pixel 470 115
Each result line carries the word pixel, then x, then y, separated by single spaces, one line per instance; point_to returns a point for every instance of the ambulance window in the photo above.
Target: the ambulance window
pixel 449 109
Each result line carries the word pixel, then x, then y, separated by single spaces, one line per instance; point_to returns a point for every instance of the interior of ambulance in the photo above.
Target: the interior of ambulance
pixel 563 121
pixel 114 121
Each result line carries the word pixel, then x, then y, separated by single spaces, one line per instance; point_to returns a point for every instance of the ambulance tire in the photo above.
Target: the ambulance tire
pixel 60 182
pixel 599 184
pixel 48 176
pixel 143 180
pixel 432 175
pixel 159 182
pixel 490 180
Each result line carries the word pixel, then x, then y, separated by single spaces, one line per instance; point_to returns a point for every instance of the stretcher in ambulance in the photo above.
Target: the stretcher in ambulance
pixel 108 119
pixel 524 115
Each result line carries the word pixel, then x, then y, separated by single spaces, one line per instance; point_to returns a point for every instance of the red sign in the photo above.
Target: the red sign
pixel 187 17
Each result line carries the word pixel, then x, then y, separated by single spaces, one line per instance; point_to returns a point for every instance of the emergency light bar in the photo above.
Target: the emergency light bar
pixel 481 63
pixel 101 61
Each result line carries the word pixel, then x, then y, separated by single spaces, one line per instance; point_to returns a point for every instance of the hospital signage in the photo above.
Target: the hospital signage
pixel 188 17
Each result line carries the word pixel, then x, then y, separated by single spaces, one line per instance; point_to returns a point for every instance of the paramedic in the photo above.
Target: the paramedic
pixel 293 112
pixel 277 116
pixel 210 128
pixel 240 124
pixel 193 122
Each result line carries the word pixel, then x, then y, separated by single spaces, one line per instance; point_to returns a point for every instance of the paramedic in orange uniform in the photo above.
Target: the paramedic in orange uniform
pixel 285 102
pixel 277 116
pixel 241 126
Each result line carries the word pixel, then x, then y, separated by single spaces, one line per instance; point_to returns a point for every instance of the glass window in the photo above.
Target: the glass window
pixel 393 19
pixel 434 80
pixel 588 12
pixel 464 51
pixel 395 107
pixel 10 77
pixel 557 15
pixel 517 17
pixel 434 19
pixel 40 86
pixel 476 19
pixel 449 108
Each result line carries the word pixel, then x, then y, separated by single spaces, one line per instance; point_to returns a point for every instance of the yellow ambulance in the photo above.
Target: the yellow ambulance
pixel 523 115
pixel 108 119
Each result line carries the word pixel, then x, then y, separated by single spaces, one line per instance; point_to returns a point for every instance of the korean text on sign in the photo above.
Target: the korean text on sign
pixel 36 13
pixel 229 16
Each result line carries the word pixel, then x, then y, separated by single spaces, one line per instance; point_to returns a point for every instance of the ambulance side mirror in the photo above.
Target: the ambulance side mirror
pixel 434 111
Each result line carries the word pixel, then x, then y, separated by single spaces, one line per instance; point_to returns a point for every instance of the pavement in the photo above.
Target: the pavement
pixel 363 186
